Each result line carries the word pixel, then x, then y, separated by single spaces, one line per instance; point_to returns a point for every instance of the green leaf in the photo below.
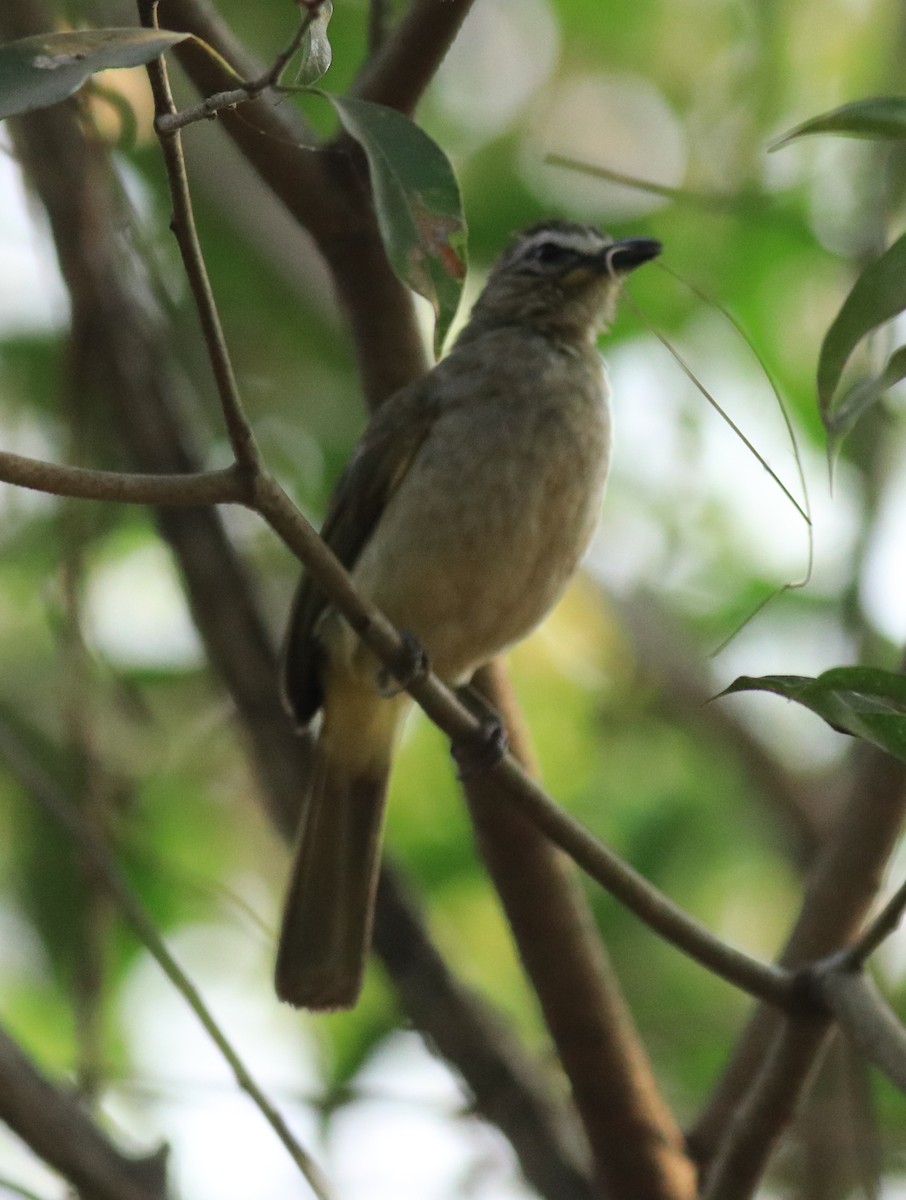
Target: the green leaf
pixel 877 295
pixel 315 52
pixel 862 701
pixel 36 72
pixel 879 117
pixel 418 204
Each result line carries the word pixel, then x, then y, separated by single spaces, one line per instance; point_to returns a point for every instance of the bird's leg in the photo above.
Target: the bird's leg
pixel 412 663
pixel 488 745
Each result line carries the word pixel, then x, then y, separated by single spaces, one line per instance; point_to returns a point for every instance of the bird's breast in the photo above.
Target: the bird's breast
pixel 493 517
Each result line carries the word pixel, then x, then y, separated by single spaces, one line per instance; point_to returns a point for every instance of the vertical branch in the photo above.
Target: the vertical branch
pixel 183 223
pixel 636 1145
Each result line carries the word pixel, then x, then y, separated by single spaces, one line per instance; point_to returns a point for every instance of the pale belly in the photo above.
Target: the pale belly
pixel 480 540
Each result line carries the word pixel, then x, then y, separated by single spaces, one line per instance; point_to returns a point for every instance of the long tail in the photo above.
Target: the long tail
pixel 326 932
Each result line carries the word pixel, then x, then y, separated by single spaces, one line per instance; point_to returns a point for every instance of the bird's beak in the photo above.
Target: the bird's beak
pixel 628 253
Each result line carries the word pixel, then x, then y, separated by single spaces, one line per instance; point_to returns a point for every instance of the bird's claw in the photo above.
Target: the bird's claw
pixel 412 663
pixel 488 745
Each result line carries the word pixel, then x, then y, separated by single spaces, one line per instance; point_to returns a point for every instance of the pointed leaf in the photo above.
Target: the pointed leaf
pixel 879 117
pixel 877 295
pixel 418 205
pixel 36 72
pixel 862 701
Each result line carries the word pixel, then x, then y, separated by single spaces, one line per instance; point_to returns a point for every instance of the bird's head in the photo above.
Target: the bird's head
pixel 560 278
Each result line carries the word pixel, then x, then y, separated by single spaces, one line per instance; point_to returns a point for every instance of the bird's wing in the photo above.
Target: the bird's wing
pixel 378 465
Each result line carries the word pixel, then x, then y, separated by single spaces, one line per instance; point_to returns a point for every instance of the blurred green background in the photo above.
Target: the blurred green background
pixel 103 680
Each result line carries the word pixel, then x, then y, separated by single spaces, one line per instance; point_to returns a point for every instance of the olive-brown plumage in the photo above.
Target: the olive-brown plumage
pixel 462 514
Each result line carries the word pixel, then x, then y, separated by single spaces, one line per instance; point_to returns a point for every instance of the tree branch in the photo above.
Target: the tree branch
pixel 877 931
pixel 194 488
pixel 867 1020
pixel 242 439
pixel 766 1108
pixel 636 1144
pixel 448 712
pixel 51 1121
pixel 170 122
pixel 407 60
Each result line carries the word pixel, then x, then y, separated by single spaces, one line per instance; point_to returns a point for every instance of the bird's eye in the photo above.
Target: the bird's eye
pixel 552 253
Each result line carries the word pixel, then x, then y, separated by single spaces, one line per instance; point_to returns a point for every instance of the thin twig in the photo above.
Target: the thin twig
pixel 240 432
pixel 883 925
pixel 170 122
pixel 324 193
pixel 205 110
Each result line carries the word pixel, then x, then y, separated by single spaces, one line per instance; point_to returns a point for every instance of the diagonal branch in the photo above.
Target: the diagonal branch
pixel 508 778
pixel 877 931
pixel 767 1108
pixel 867 1020
pixel 51 1121
pixel 450 714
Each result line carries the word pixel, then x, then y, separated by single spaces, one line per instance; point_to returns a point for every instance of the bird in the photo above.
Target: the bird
pixel 462 513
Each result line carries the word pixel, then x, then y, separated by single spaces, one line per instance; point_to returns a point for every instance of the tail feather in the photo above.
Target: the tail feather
pixel 329 909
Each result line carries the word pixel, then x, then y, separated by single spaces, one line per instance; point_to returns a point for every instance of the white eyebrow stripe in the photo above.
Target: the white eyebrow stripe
pixel 582 243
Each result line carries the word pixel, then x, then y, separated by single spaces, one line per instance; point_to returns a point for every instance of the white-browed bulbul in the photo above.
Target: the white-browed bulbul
pixel 462 514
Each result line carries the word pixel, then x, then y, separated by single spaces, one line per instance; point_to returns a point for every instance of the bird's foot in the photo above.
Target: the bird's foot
pixel 412 664
pixel 487 746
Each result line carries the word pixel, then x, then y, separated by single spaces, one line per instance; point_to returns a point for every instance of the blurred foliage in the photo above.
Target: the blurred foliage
pixel 687 95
